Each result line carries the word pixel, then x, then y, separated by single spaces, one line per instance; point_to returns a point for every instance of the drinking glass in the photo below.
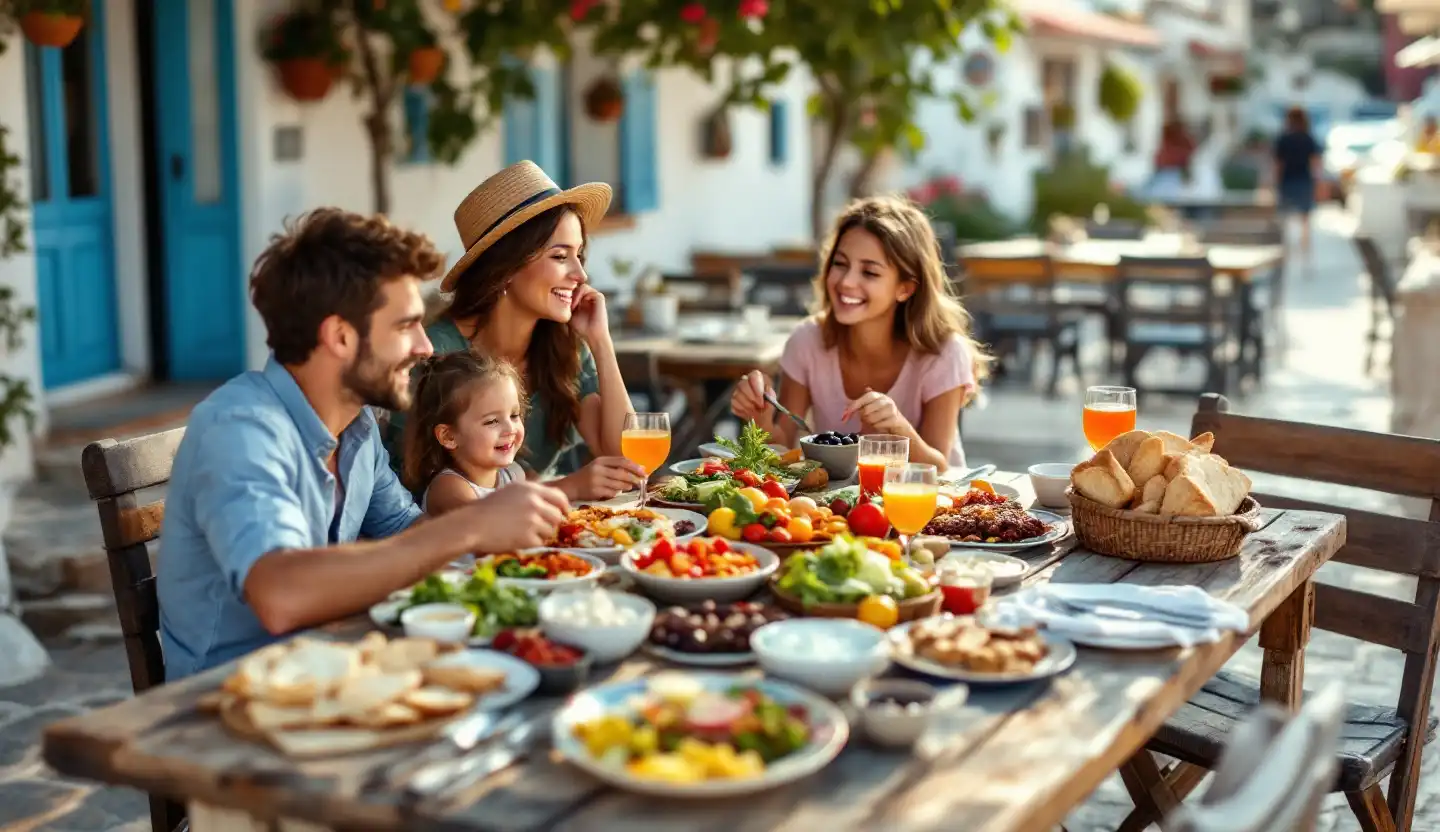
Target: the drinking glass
pixel 1109 412
pixel 910 493
pixel 877 451
pixel 645 441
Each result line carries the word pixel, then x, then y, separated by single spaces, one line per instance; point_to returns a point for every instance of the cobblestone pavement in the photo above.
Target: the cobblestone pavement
pixel 1317 377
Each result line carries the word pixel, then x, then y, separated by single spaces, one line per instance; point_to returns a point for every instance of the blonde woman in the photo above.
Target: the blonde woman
pixel 889 350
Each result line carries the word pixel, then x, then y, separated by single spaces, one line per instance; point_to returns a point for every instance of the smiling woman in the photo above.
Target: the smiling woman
pixel 520 293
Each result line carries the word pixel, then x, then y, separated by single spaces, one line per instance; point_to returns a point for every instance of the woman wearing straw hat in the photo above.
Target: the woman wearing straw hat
pixel 520 293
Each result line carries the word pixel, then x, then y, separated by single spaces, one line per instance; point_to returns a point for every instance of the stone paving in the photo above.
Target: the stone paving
pixel 1318 377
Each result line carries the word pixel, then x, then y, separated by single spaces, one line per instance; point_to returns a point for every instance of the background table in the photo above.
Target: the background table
pixel 1022 758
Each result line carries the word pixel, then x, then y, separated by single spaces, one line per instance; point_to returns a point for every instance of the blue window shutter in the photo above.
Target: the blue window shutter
pixel 779 132
pixel 417 124
pixel 548 121
pixel 521 130
pixel 639 182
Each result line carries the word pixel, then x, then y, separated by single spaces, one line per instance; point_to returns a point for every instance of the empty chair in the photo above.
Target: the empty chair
pixel 787 288
pixel 1172 303
pixel 1275 770
pixel 1014 303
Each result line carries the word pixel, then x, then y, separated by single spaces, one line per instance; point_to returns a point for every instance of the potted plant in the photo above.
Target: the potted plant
pixel 604 99
pixel 306 49
pixel 424 63
pixel 51 22
pixel 1120 93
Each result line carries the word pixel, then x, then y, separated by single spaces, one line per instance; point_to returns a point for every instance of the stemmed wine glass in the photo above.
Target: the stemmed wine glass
pixel 645 441
pixel 910 493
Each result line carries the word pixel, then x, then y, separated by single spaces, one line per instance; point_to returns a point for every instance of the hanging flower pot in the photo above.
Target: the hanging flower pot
pixel 424 64
pixel 717 139
pixel 306 79
pixel 56 29
pixel 604 100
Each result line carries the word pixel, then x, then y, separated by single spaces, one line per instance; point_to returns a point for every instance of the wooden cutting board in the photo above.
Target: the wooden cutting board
pixel 330 741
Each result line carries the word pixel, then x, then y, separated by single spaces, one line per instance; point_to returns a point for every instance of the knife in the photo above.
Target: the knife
pixel 459 737
pixel 445 778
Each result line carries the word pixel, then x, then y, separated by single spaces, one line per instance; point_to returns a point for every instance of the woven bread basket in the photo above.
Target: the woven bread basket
pixel 1156 538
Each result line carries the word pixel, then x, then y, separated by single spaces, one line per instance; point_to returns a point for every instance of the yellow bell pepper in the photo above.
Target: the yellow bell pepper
pixel 722 524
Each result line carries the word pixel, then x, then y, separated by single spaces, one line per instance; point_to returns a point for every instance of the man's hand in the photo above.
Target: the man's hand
pixel 518 516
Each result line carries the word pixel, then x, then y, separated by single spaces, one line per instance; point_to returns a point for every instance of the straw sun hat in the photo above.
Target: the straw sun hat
pixel 506 200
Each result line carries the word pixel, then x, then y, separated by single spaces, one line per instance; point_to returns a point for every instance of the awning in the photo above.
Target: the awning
pixel 1423 52
pixel 1052 17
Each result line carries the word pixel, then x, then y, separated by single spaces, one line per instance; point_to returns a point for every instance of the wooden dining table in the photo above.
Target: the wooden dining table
pixel 1018 758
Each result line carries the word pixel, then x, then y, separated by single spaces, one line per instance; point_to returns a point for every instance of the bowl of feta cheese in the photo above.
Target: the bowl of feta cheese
pixel 608 625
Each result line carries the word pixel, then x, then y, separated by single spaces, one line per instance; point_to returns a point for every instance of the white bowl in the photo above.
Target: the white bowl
pixel 839 461
pixel 889 724
pixel 692 590
pixel 1050 479
pixel 827 655
pixel 451 623
pixel 605 642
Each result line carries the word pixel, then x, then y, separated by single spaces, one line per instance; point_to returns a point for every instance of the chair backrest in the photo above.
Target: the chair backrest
pixel 790 284
pixel 1176 290
pixel 115 471
pixel 1275 770
pixel 1381 281
pixel 1115 230
pixel 1006 272
pixel 1388 463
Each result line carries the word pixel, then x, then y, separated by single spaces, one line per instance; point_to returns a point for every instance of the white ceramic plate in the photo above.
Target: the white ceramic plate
pixel 597 568
pixel 963 488
pixel 1061 656
pixel 716 450
pixel 1004 569
pixel 699 659
pixel 386 614
pixel 695 590
pixel 521 678
pixel 829 732
pixel 1058 528
pixel 611 554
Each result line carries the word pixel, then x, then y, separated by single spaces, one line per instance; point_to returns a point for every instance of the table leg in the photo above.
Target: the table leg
pixel 1283 636
pixel 206 818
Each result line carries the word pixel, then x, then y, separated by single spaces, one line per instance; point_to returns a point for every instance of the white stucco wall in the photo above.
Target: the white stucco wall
pixel 18 272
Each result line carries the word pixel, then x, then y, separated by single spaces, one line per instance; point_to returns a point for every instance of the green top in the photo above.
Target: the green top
pixel 539 454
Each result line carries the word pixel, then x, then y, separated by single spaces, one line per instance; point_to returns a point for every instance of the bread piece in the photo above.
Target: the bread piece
pixel 1125 445
pixel 1103 479
pixel 1177 444
pixel 1206 487
pixel 373 642
pixel 1149 506
pixel 364 694
pixel 253 671
pixel 437 701
pixel 403 654
pixel 389 715
pixel 308 671
pixel 1153 491
pixel 457 673
pixel 1148 462
pixel 267 717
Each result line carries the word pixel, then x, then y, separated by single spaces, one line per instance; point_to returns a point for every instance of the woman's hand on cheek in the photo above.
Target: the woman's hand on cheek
pixel 588 314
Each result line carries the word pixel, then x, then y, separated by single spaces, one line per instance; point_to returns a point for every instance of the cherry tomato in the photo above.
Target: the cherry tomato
pixel 747 478
pixel 714 466
pixel 720 546
pixel 755 533
pixel 868 520
pixel 773 488
pixel 879 611
pixel 779 534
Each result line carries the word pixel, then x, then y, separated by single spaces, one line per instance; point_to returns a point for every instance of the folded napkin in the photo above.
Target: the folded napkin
pixel 1124 613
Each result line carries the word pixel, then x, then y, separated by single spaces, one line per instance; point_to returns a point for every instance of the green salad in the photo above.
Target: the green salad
pixel 496 607
pixel 845 571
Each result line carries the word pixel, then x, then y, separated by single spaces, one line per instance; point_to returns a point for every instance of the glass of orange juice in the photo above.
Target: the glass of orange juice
pixel 1109 412
pixel 645 441
pixel 910 492
pixel 877 451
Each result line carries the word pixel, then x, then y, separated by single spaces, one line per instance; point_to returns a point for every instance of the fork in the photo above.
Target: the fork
pixel 774 402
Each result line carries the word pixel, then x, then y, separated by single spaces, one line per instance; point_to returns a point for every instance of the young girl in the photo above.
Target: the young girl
pixel 889 351
pixel 465 428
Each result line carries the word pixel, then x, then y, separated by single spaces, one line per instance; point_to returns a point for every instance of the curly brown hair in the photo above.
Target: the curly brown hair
pixel 331 262
pixel 441 396
pixel 552 363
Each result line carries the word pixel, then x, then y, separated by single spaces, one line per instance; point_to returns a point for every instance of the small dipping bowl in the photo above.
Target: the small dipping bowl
pixel 450 623
pixel 562 679
pixel 896 712
pixel 1050 479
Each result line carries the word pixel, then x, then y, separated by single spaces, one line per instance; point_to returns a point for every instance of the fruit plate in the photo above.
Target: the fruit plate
pixel 828 728
pixel 699 659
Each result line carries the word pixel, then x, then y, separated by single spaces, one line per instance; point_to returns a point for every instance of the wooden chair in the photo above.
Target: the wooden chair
pixel 1382 294
pixel 787 289
pixel 1376 741
pixel 1018 306
pixel 1266 290
pixel 1115 230
pixel 1274 772
pixel 1172 303
pixel 115 473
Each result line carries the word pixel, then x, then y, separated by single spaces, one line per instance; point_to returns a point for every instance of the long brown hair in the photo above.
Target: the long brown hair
pixel 552 361
pixel 933 314
pixel 446 385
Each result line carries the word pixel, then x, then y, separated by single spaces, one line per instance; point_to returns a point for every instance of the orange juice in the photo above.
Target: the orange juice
pixel 910 505
pixel 646 448
pixel 1103 422
pixel 872 475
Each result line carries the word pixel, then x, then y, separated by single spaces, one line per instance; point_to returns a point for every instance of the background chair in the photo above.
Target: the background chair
pixel 1172 303
pixel 1382 296
pixel 1015 304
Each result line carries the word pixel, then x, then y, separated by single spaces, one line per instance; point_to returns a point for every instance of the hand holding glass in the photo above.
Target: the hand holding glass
pixel 645 441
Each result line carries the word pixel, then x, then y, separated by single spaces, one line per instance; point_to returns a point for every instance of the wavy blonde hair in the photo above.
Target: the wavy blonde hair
pixel 930 317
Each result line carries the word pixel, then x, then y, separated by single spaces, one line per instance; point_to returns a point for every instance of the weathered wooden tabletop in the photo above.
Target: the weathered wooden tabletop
pixel 1098 259
pixel 1019 760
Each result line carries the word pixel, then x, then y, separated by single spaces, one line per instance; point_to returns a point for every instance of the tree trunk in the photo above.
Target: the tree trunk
pixel 860 183
pixel 380 87
pixel 834 138
pixel 377 128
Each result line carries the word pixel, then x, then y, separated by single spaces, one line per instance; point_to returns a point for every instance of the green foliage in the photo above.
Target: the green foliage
pixel 1240 175
pixel 970 213
pixel 1120 93
pixel 1062 116
pixel 1073 186
pixel 304 33
pixel 16 398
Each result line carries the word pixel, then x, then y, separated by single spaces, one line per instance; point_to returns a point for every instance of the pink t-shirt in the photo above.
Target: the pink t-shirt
pixel 924 377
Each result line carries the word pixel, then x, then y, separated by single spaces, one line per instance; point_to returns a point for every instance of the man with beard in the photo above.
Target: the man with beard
pixel 283 512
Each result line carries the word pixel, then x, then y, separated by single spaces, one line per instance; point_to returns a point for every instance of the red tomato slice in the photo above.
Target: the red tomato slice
pixel 662 549
pixel 773 488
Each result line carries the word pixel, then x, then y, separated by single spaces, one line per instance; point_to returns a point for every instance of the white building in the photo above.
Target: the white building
pixel 160 155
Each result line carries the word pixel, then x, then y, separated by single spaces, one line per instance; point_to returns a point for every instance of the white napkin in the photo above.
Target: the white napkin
pixel 1124 613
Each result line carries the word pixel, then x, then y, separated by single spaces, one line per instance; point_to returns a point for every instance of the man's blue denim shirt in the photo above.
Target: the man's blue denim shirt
pixel 250 479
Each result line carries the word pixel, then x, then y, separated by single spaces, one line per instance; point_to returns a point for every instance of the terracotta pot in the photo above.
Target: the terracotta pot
pixel 604 101
pixel 425 64
pixel 306 79
pixel 51 28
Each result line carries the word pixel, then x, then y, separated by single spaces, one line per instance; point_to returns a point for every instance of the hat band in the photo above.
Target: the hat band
pixel 543 195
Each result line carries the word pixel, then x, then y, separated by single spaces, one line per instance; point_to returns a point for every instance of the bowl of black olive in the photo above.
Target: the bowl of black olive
pixel 837 453
pixel 710 634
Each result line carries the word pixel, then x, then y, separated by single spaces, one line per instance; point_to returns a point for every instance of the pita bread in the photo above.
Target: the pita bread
pixel 1148 462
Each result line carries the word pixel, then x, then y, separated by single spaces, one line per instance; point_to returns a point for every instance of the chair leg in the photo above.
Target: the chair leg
pixel 1371 810
pixel 1148 789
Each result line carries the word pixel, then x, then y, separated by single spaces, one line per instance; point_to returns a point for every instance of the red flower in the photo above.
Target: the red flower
pixel 580 8
pixel 692 13
pixel 949 185
pixel 709 36
pixel 754 8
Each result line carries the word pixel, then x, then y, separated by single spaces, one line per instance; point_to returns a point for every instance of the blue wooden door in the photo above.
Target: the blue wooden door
pixel 204 309
pixel 71 196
